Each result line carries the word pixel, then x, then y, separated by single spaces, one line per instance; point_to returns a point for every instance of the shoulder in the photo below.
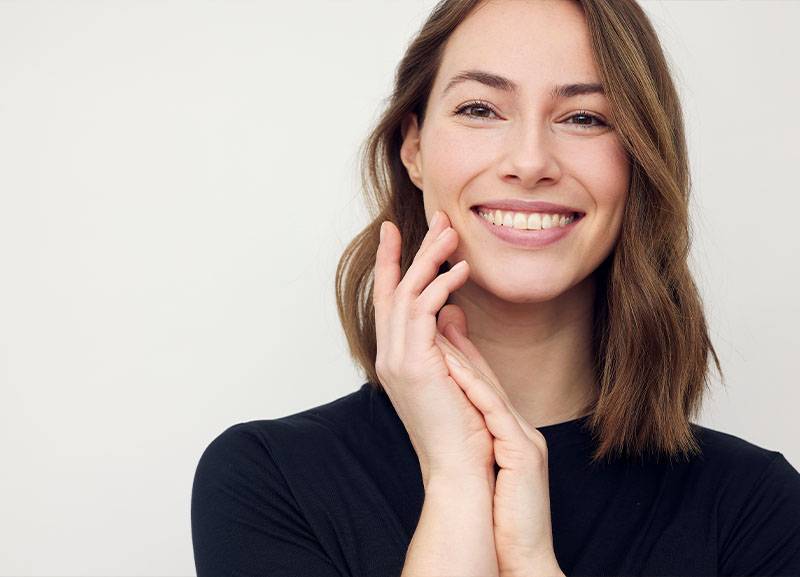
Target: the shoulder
pixel 718 445
pixel 254 440
pixel 736 469
pixel 258 469
pixel 739 465
pixel 731 454
pixel 352 419
pixel 346 460
pixel 259 502
pixel 357 426
pixel 756 496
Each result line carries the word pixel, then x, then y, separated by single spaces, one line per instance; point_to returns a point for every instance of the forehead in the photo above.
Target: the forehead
pixel 532 42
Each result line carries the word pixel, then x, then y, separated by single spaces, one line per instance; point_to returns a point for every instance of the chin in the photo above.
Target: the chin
pixel 571 289
pixel 524 291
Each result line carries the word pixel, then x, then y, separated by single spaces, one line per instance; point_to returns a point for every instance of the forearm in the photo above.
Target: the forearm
pixel 455 533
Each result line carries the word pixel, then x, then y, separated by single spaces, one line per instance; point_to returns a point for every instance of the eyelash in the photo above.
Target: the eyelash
pixel 462 109
pixel 587 114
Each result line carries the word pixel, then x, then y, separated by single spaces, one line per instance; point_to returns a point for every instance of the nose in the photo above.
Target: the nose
pixel 529 157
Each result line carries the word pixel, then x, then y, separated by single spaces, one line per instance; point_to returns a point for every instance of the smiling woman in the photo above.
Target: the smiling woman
pixel 534 343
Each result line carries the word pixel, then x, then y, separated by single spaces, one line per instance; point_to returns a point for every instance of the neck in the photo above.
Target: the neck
pixel 541 352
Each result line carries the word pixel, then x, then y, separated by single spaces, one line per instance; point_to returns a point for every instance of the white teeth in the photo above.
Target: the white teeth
pixel 527 220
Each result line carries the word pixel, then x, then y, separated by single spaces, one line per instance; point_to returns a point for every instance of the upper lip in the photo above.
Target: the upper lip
pixel 515 205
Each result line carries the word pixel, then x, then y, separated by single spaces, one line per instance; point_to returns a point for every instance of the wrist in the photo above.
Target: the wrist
pixel 454 486
pixel 455 533
pixel 472 479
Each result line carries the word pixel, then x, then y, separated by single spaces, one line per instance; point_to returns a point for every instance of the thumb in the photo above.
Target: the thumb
pixel 451 315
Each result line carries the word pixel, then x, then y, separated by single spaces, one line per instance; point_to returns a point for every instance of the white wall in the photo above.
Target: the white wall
pixel 177 181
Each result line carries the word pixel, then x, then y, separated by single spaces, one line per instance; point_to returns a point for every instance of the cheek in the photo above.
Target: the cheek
pixel 604 171
pixel 453 157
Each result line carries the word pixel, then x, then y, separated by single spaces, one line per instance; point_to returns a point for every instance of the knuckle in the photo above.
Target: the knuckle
pixel 380 367
pixel 387 368
pixel 383 369
pixel 534 459
pixel 398 297
pixel 417 310
pixel 539 442
pixel 538 455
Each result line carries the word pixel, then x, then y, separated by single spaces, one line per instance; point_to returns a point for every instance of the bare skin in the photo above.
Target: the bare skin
pixel 460 421
pixel 475 359
pixel 548 346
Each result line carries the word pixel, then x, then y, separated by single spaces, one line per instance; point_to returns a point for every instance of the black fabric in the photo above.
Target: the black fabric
pixel 336 490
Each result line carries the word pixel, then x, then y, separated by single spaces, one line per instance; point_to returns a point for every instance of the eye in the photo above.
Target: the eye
pixel 476 109
pixel 585 119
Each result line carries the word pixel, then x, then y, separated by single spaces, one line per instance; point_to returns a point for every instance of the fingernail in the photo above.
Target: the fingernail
pixel 434 218
pixel 380 236
pixel 460 264
pixel 441 234
pixel 453 360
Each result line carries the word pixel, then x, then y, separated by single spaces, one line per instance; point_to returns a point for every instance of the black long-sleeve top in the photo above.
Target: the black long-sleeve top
pixel 336 491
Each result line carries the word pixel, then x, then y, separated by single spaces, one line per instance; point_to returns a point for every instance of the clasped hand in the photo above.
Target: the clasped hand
pixel 458 417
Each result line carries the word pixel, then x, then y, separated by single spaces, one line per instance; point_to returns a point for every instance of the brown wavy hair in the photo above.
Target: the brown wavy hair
pixel 650 339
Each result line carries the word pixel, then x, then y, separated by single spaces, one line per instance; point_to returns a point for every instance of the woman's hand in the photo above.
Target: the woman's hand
pixel 447 432
pixel 455 534
pixel 521 510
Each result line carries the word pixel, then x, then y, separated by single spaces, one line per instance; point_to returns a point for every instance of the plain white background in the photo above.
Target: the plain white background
pixel 177 181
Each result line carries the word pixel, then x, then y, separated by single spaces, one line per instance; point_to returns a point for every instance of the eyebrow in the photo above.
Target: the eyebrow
pixel 487 78
pixel 501 83
pixel 576 89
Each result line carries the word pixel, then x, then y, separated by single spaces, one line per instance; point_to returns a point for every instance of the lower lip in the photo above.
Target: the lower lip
pixel 528 238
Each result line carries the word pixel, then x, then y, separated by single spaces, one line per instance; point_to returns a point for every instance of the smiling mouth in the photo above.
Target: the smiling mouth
pixel 527 220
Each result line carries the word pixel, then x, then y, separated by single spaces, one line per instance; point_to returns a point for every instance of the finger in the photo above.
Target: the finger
pixel 468 349
pixel 514 449
pixel 485 371
pixel 462 343
pixel 438 243
pixel 451 314
pixel 420 327
pixel 452 323
pixel 387 272
pixel 410 316
pixel 439 222
pixel 427 262
pixel 447 347
pixel 435 295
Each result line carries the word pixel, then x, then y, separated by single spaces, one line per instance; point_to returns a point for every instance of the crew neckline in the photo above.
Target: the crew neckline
pixel 564 424
pixel 555 427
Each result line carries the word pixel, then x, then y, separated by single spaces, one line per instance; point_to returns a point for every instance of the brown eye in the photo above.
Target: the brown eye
pixel 480 110
pixel 585 119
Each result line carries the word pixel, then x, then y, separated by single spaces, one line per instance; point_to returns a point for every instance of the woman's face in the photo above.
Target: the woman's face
pixel 517 130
